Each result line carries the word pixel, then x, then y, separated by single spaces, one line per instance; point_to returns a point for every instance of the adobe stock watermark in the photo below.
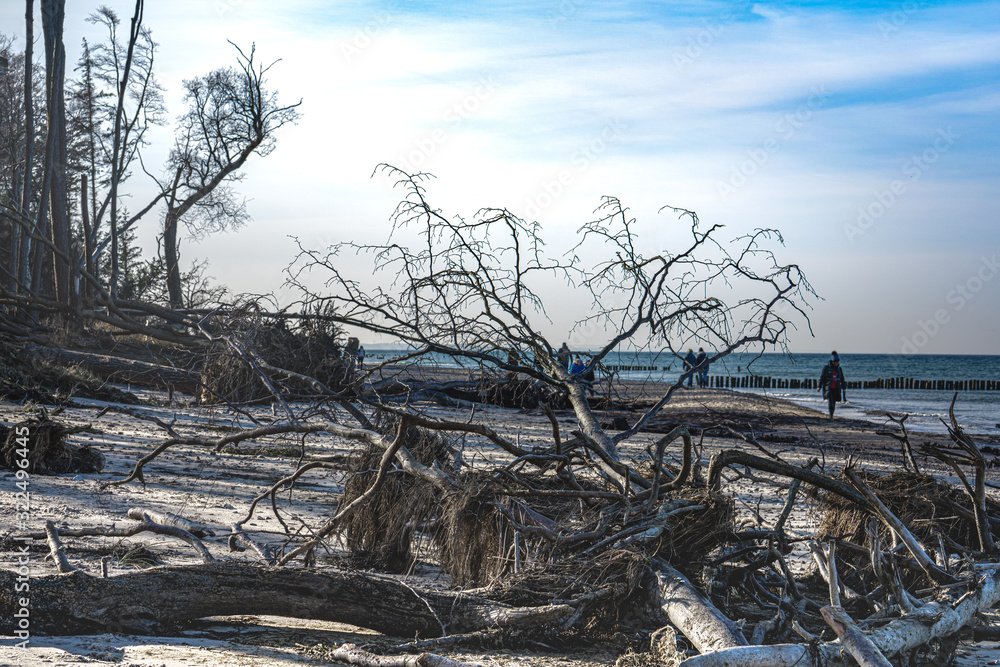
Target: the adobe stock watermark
pixel 703 40
pixel 454 116
pixel 581 161
pixel 898 18
pixel 20 558
pixel 223 7
pixel 364 36
pixel 784 129
pixel 564 11
pixel 958 298
pixel 912 170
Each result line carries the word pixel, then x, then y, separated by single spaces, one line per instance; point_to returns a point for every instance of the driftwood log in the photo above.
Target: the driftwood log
pixel 693 614
pixel 150 601
pixel 352 655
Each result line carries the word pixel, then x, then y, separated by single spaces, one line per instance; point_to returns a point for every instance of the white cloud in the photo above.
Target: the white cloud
pixel 695 89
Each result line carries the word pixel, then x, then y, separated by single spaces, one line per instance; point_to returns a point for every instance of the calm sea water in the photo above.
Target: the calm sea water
pixel 977 411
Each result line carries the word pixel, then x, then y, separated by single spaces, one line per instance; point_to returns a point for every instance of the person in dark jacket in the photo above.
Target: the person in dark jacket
pixel 701 363
pixel 689 363
pixel 832 382
pixel 563 355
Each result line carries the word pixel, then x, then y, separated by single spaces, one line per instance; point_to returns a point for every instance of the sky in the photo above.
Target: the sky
pixel 868 133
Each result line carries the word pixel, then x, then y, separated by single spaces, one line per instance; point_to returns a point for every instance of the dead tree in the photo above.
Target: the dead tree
pixel 231 115
pixel 121 72
pixel 470 291
pixel 23 266
pixel 147 601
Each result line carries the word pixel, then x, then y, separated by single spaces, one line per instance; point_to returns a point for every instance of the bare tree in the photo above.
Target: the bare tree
pixel 231 115
pixel 118 101
pixel 24 138
pixel 470 290
pixel 83 123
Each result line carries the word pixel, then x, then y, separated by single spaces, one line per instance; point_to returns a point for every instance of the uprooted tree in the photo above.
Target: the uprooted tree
pixel 469 290
pixel 563 537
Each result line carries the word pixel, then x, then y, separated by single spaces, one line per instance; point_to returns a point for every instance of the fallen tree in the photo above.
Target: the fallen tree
pixel 153 600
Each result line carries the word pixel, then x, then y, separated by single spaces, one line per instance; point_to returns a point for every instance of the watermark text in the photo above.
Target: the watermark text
pixel 20 557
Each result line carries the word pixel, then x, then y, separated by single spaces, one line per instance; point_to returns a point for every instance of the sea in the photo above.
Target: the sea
pixel 978 412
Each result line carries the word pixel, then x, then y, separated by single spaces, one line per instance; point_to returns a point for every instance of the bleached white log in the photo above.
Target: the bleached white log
pixel 900 635
pixel 693 614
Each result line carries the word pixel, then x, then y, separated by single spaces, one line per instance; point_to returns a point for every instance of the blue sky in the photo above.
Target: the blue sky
pixel 867 133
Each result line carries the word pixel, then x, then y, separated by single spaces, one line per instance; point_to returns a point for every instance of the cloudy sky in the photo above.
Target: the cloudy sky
pixel 868 133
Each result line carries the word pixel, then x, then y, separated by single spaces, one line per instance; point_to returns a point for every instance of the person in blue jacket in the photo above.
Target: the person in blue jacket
pixel 701 364
pixel 689 363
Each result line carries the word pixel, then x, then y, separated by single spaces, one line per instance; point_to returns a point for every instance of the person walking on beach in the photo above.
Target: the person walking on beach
pixel 832 382
pixel 689 363
pixel 701 363
pixel 361 357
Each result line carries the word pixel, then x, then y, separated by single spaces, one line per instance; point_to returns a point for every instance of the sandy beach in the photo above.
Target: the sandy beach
pixel 216 488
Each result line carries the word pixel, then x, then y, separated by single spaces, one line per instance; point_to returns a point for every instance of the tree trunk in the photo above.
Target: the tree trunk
pixel 172 259
pixel 853 639
pixel 591 427
pixel 116 148
pixel 935 620
pixel 53 13
pixel 149 601
pixel 88 245
pixel 693 614
pixel 25 243
pixel 352 655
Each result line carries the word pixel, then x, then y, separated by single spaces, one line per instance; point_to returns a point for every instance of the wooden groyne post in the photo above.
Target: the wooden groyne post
pixel 768 382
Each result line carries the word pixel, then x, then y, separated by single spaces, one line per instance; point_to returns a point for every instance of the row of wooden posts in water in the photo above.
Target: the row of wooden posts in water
pixel 767 382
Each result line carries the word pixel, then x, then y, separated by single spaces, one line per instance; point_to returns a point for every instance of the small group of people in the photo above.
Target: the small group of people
pixel 697 366
pixel 577 367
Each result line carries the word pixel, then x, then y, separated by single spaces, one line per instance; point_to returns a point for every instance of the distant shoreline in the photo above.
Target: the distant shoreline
pixel 725 404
